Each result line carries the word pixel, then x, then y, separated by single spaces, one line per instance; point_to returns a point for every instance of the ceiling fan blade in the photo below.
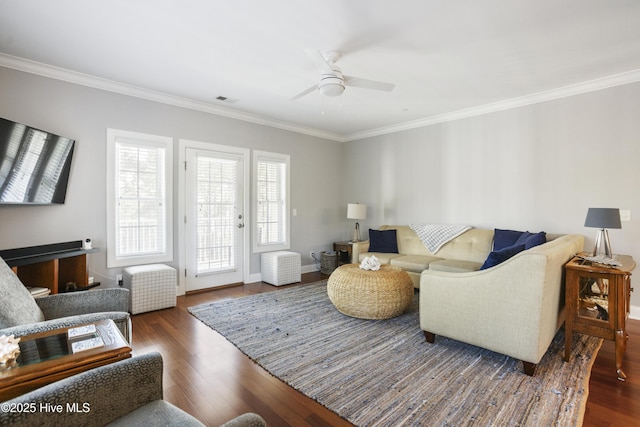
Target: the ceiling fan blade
pixel 305 92
pixel 368 84
pixel 319 60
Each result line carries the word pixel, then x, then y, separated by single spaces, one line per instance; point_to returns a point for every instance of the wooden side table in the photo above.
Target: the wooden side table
pixel 341 247
pixel 597 298
pixel 47 357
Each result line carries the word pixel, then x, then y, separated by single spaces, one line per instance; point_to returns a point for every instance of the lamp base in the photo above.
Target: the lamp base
pixel 602 242
pixel 356 234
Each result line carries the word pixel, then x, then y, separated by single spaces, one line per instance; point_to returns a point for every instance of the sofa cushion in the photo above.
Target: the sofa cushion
pixel 408 240
pixel 472 245
pixel 384 241
pixel 530 240
pixel 384 258
pixel 17 306
pixel 496 257
pixel 505 238
pixel 455 265
pixel 415 263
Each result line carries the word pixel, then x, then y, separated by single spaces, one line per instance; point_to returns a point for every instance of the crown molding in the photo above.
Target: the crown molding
pixel 69 76
pixel 62 74
pixel 632 76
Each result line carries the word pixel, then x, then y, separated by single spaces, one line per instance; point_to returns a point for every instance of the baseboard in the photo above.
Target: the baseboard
pixel 257 277
pixel 310 268
pixel 634 312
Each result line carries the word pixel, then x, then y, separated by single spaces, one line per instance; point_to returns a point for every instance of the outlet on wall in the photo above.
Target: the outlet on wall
pixel 312 255
pixel 119 279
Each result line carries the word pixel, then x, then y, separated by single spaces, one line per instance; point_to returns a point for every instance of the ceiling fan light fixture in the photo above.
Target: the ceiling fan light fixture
pixel 332 89
pixel 331 85
pixel 332 81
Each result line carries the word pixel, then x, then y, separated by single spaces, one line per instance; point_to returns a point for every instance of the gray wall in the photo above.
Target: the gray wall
pixel 531 168
pixel 84 114
pixel 536 168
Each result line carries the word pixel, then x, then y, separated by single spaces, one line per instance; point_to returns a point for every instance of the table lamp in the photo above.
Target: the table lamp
pixel 356 211
pixel 603 218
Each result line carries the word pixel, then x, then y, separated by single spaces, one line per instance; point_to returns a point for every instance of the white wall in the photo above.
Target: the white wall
pixel 531 168
pixel 84 114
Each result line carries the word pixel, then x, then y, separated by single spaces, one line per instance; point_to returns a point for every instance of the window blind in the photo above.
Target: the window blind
pixel 271 201
pixel 140 195
pixel 216 199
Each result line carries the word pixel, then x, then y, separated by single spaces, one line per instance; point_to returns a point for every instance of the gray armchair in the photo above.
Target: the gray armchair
pixel 125 393
pixel 21 314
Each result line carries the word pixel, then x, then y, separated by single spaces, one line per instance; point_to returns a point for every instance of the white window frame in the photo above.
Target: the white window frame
pixel 115 136
pixel 285 243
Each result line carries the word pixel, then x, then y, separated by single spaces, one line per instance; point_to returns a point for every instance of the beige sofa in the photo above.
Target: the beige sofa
pixel 466 252
pixel 514 308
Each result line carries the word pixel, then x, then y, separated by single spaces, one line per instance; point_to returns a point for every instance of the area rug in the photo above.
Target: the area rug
pixel 384 373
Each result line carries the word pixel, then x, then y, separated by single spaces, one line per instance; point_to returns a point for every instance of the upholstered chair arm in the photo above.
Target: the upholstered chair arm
pixel 121 319
pixel 246 420
pixel 83 302
pixel 357 249
pixel 102 395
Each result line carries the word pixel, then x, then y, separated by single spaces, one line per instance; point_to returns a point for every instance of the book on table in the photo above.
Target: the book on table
pixel 84 338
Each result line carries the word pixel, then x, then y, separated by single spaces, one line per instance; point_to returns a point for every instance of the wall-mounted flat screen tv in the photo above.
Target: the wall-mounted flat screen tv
pixel 34 165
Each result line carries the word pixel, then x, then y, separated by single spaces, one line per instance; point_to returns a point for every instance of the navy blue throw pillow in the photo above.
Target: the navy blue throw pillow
pixel 529 240
pixel 383 241
pixel 505 238
pixel 496 257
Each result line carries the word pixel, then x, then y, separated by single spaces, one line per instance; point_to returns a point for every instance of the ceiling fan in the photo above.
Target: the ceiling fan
pixel 332 81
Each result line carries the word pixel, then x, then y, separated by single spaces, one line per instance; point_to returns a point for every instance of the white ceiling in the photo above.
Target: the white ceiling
pixel 447 58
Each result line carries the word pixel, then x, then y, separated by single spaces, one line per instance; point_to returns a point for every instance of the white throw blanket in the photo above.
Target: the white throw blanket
pixel 434 236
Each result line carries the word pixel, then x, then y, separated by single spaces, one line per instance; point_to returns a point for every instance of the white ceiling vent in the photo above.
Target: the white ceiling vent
pixel 225 99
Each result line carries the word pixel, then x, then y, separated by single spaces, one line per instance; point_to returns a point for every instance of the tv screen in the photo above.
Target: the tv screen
pixel 34 165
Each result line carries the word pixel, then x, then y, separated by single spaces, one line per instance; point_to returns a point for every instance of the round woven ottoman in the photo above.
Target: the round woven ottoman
pixel 366 294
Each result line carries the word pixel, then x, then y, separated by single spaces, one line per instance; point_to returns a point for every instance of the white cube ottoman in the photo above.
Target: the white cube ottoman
pixel 151 287
pixel 280 268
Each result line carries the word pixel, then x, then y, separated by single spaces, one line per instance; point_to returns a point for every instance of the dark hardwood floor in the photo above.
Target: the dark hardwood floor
pixel 209 378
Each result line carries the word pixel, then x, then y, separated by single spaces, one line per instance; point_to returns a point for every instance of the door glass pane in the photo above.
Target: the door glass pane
pixel 215 214
pixel 594 298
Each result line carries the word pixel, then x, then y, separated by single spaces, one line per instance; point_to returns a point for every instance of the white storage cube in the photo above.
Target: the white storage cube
pixel 280 268
pixel 151 287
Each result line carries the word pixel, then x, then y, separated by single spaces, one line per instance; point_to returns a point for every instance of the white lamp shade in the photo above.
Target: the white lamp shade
pixel 356 211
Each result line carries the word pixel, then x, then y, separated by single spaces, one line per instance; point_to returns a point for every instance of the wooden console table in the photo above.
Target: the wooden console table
pixel 50 266
pixel 597 299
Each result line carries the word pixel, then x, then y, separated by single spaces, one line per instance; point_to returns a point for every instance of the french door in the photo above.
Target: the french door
pixel 214 218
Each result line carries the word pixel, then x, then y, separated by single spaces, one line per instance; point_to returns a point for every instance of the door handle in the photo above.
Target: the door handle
pixel 240 225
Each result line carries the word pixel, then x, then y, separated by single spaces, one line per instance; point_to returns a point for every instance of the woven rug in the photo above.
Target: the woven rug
pixel 384 373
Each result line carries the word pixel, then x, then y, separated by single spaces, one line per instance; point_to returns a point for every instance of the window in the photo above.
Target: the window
pixel 271 201
pixel 139 198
